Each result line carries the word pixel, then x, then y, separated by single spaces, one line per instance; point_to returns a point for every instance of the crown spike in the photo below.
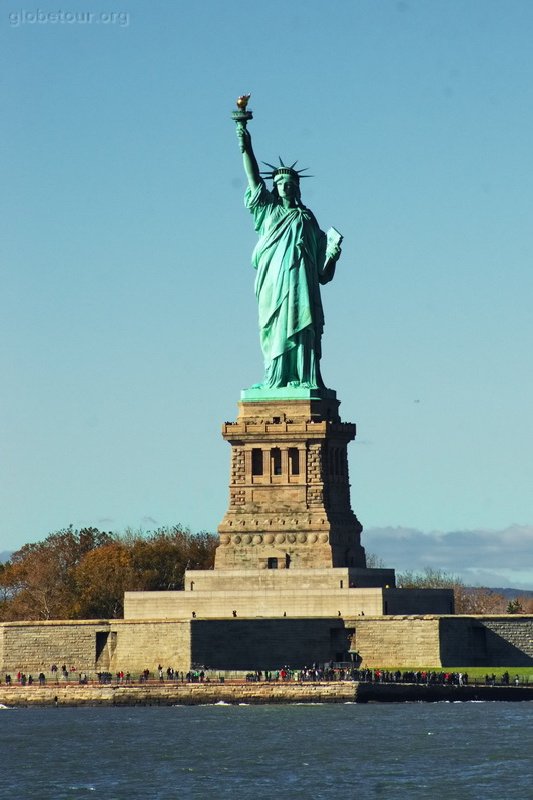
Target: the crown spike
pixel 283 169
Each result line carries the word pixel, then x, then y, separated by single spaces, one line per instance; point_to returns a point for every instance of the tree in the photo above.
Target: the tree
pixel 139 561
pixel 374 561
pixel 160 559
pixel 8 588
pixel 467 600
pixel 84 574
pixel 102 577
pixel 478 600
pixel 40 577
pixel 429 578
pixel 515 607
pixel 526 601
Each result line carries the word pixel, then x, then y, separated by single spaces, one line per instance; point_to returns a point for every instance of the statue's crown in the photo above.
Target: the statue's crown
pixel 284 169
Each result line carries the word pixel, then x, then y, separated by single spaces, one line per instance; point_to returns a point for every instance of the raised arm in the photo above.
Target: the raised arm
pixel 249 160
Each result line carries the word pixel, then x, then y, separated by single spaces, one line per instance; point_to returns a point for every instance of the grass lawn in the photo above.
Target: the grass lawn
pixel 476 673
pixel 524 673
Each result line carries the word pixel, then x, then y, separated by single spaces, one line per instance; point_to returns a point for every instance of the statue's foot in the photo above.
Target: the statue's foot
pixel 294 384
pixel 256 386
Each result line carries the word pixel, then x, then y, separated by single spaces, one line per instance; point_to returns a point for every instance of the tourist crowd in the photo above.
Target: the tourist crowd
pixel 316 673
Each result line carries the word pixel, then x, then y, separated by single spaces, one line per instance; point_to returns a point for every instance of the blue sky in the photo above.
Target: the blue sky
pixel 127 309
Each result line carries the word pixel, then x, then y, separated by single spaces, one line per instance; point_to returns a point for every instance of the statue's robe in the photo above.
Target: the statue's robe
pixel 290 259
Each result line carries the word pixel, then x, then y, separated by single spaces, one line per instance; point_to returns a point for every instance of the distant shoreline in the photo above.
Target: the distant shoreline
pixel 236 692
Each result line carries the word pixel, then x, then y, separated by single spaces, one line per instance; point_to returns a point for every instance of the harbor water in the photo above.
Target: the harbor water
pixel 416 750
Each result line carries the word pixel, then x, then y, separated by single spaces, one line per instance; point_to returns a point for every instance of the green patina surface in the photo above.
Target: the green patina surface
pixel 293 258
pixel 286 393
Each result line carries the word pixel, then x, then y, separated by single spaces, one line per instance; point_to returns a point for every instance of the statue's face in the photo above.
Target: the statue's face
pixel 287 187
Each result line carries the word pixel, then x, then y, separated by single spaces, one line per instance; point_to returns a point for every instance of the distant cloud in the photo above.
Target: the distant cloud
pixel 479 557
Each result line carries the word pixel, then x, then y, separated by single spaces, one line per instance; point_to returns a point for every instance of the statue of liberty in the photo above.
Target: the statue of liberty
pixel 293 257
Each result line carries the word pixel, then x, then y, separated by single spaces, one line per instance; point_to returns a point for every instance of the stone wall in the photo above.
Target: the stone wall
pixel 144 645
pixel 267 644
pixel 224 644
pixel 258 602
pixel 397 641
pixel 504 640
pixel 275 593
pixel 34 646
pixel 181 694
pixel 94 645
pixel 253 643
pixel 448 641
pixel 418 601
pixel 208 580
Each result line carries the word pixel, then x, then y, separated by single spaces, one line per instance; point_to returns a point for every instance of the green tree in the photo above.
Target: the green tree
pixel 515 607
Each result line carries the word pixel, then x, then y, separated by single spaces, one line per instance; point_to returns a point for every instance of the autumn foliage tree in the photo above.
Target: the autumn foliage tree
pixel 84 574
pixel 40 577
pixel 156 561
pixel 102 577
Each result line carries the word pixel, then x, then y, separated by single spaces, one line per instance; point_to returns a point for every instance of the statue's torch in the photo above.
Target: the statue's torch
pixel 242 115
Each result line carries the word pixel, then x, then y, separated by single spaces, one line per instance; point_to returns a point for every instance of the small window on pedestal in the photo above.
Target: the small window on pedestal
pixel 275 456
pixel 257 461
pixel 294 460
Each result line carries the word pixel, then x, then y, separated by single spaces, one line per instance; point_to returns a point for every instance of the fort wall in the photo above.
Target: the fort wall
pixel 270 643
pixel 255 693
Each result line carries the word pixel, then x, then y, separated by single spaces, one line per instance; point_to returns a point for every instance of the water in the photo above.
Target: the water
pixel 455 751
